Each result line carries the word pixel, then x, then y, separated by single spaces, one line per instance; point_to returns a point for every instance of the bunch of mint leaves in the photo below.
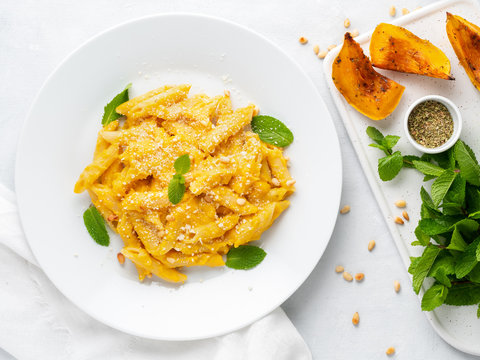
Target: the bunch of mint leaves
pixel 449 228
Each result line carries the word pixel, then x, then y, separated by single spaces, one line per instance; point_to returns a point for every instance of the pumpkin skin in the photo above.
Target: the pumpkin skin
pixel 465 39
pixel 395 48
pixel 369 92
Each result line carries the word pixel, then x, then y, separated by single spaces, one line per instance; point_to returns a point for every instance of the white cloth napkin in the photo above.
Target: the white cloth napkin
pixel 38 322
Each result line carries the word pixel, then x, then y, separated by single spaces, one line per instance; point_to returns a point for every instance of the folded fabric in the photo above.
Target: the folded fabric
pixel 38 322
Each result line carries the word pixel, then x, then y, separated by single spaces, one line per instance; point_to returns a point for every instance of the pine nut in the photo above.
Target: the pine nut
pixel 331 47
pixel 371 245
pixel 322 54
pixel 256 110
pixel 316 49
pixel 275 182
pixel 347 276
pixel 396 286
pixel 393 11
pixel 208 198
pixel 225 159
pixel 346 23
pixel 400 203
pixel 112 217
pixel 345 209
pixel 359 276
pixel 169 217
pixel 241 201
pixel 355 33
pixel 390 351
pixel 290 182
pixel 405 215
pixel 405 11
pixel 399 221
pixel 303 40
pixel 226 93
pixel 355 318
pixel 339 268
pixel 120 258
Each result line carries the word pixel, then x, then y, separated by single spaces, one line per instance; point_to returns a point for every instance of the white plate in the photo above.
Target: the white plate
pixel 58 141
pixel 457 325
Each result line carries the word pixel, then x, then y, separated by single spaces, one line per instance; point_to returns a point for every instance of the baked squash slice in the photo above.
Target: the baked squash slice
pixel 395 48
pixel 369 92
pixel 465 39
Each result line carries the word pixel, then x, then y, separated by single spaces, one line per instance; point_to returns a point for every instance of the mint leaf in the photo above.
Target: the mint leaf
pixel 408 160
pixel 423 238
pixel 390 141
pixel 428 168
pixel 467 163
pixel 445 159
pixel 475 215
pixel 182 164
pixel 467 260
pixel 457 242
pixel 474 275
pixel 271 130
pixel 375 135
pixel 478 253
pixel 413 264
pixel 245 257
pixel 109 113
pixel 95 225
pixel 456 193
pixel 390 166
pixel 438 226
pixel 441 185
pixel 434 297
pixel 381 147
pixel 176 190
pixel 423 266
pixel 472 197
pixel 478 311
pixel 463 294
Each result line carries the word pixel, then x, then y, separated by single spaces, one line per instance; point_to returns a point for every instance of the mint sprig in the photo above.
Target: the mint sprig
pixel 449 227
pixel 271 130
pixel 95 225
pixel 176 187
pixel 245 257
pixel 109 113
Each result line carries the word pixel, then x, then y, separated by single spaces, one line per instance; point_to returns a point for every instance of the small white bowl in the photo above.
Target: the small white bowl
pixel 457 124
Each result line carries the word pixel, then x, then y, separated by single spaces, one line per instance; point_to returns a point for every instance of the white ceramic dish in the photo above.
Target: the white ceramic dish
pixel 58 141
pixel 458 326
pixel 457 124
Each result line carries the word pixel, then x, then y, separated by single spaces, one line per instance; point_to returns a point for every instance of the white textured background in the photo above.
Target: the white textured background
pixel 35 35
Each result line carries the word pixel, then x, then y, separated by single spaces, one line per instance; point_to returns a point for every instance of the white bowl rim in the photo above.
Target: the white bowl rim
pixel 457 124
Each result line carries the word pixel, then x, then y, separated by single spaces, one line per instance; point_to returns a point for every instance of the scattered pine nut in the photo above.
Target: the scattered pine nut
pixel 303 40
pixel 371 245
pixel 390 351
pixel 316 49
pixel 417 8
pixel 396 286
pixel 347 276
pixel 331 47
pixel 226 93
pixel 359 276
pixel 225 159
pixel 256 110
pixel 169 217
pixel 290 182
pixel 275 182
pixel 322 54
pixel 355 318
pixel 112 217
pixel 345 209
pixel 400 203
pixel 120 258
pixel 339 268
pixel 405 11
pixel 355 33
pixel 346 23
pixel 405 215
pixel 393 11
pixel 399 221
pixel 241 201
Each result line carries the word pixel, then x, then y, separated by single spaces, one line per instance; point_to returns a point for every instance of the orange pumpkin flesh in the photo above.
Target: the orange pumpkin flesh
pixel 369 92
pixel 395 48
pixel 465 39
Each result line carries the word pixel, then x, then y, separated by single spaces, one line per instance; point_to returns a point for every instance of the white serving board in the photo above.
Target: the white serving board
pixel 458 326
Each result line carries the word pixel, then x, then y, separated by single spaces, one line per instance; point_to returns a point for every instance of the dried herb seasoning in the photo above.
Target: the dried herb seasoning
pixel 430 124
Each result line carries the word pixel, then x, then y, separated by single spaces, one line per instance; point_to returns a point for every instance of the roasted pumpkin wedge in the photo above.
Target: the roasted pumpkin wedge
pixel 395 48
pixel 371 93
pixel 465 39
